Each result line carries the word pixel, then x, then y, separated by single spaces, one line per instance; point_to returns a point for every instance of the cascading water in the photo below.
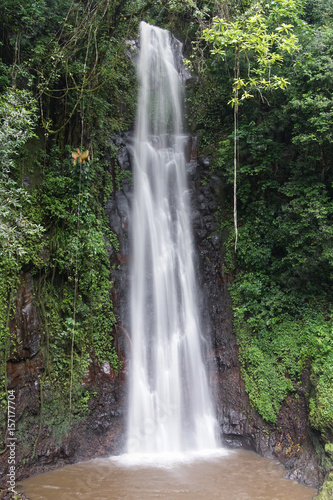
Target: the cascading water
pixel 170 409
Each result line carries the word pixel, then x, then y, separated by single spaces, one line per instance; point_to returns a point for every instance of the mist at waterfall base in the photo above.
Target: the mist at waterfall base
pixel 170 408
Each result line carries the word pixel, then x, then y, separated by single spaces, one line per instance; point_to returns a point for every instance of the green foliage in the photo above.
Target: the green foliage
pixel 319 11
pixel 275 346
pixel 321 403
pixel 20 237
pixel 184 18
pixel 207 112
pixel 282 298
pixel 261 36
pixel 18 234
pixel 74 55
pixel 326 492
pixel 80 245
pixel 74 58
pixel 310 104
pixel 282 293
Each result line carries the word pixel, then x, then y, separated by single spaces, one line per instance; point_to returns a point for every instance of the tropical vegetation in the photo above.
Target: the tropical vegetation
pixel 261 104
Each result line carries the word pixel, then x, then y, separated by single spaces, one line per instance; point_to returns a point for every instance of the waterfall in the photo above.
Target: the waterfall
pixel 170 408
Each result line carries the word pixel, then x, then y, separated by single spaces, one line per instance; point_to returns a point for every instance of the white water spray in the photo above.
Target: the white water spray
pixel 170 409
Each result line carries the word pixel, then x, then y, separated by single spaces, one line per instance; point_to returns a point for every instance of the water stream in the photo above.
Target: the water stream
pixel 170 408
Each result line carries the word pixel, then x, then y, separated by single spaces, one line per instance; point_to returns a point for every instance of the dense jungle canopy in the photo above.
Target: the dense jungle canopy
pixel 260 102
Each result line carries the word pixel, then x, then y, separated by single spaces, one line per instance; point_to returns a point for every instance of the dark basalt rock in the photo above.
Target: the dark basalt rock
pixel 289 440
pixel 118 211
pixel 24 326
pixel 39 450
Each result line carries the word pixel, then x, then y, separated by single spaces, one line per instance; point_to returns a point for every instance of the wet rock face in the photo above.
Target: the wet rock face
pixel 240 427
pixel 24 326
pixel 118 211
pixel 289 440
pixel 38 447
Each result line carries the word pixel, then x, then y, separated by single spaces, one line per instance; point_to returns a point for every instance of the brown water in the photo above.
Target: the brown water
pixel 238 475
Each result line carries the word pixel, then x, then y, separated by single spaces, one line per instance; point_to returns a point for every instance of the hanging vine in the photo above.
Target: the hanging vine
pixel 257 35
